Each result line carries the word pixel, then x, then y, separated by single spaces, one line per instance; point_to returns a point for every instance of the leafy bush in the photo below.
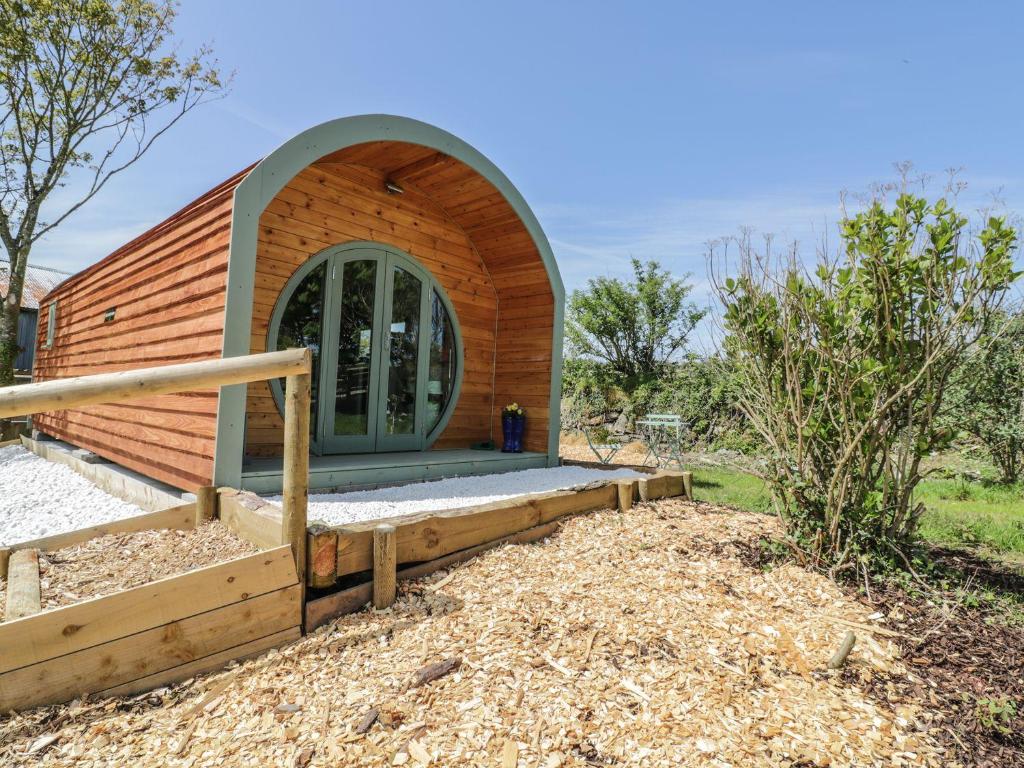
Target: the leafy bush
pixel 987 396
pixel 701 390
pixel 704 392
pixel 626 345
pixel 636 327
pixel 588 390
pixel 845 368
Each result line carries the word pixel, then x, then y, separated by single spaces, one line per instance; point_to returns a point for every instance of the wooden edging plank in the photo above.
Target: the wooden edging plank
pixel 23 598
pixel 430 536
pixel 182 517
pixel 249 517
pixel 143 654
pixel 551 508
pixel 667 482
pixel 206 664
pixel 644 469
pixel 62 631
pixel 322 610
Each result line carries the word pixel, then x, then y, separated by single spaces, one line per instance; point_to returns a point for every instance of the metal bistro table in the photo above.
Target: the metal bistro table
pixel 663 435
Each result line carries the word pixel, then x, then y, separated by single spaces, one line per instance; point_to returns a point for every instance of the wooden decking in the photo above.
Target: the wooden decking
pixel 263 475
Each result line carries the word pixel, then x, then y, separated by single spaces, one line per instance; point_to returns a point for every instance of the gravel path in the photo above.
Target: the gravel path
pixel 453 493
pixel 42 498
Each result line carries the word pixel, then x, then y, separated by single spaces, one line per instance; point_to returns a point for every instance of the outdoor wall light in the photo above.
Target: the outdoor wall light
pixel 393 187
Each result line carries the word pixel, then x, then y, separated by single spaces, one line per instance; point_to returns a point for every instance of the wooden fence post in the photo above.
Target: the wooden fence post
pixel 385 566
pixel 295 493
pixel 206 504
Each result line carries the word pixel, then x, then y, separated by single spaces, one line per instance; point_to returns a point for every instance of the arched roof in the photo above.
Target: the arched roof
pixel 345 139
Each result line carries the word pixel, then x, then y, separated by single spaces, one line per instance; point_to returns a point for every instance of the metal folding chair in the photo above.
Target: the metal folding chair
pixel 605 452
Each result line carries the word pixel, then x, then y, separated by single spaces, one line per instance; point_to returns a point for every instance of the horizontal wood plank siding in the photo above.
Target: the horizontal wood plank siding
pixel 167 291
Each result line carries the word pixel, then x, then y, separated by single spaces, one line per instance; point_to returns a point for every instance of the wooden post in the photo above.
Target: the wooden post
pixel 385 566
pixel 626 489
pixel 295 493
pixel 23 598
pixel 206 504
pixel 688 485
pixel 644 491
pixel 321 556
pixel 5 556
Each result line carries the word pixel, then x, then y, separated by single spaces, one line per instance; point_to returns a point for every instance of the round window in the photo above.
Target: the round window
pixel 387 354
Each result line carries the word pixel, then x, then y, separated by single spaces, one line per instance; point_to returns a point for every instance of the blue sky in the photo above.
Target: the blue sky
pixel 641 129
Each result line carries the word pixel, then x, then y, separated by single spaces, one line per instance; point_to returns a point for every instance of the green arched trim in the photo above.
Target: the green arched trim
pixel 263 183
pixel 408 261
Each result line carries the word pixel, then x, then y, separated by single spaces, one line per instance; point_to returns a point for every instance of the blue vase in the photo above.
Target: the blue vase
pixel 518 428
pixel 507 433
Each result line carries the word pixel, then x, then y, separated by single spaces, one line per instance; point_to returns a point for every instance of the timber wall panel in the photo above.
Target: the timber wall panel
pixel 167 289
pixel 461 229
pixel 330 204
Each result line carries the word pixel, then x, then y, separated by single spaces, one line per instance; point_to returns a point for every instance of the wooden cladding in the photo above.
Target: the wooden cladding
pixel 169 288
pixel 464 232
pixel 161 299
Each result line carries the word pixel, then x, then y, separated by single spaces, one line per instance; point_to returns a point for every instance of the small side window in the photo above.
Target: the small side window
pixel 51 323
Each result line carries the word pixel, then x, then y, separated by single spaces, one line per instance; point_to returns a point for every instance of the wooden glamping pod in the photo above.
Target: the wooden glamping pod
pixel 399 254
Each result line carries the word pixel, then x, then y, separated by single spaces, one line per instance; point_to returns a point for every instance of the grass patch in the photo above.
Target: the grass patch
pixel 732 488
pixel 976 513
pixel 960 512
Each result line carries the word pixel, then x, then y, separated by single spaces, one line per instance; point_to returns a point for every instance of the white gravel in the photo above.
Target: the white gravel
pixel 453 493
pixel 41 498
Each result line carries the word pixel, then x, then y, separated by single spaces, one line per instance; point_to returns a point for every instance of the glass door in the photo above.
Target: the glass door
pixel 351 372
pixel 400 411
pixel 301 325
pixel 384 344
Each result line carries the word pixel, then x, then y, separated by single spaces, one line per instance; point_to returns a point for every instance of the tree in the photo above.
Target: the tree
pixel 635 327
pixel 988 394
pixel 86 87
pixel 845 368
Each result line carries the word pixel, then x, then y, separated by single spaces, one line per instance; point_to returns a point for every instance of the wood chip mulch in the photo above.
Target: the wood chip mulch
pixel 116 562
pixel 642 638
pixel 967 655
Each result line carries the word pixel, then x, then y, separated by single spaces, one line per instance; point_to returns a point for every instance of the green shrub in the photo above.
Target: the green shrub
pixel 703 391
pixel 845 368
pixel 987 394
pixel 635 327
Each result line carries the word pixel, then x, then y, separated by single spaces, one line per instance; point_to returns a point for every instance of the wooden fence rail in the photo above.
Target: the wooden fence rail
pixel 292 364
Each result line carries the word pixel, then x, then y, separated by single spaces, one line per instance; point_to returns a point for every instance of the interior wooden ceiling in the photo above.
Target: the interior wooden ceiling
pixel 468 198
